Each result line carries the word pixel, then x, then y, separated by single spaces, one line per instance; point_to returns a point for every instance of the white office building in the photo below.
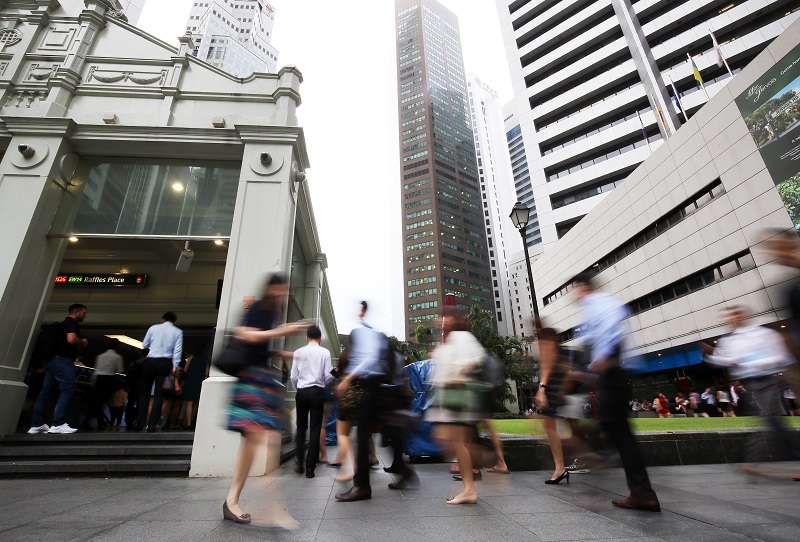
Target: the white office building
pixel 592 83
pixel 522 176
pixel 497 192
pixel 234 35
pixel 683 238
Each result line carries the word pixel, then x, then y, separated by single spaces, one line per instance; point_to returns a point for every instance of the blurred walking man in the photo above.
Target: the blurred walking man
pixel 311 371
pixel 604 317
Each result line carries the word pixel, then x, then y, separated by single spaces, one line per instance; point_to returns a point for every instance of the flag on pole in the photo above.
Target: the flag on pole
pixel 661 117
pixel 644 132
pixel 677 97
pixel 697 76
pixel 721 61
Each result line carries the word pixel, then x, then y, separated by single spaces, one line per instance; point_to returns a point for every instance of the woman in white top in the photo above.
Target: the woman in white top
pixel 458 406
pixel 724 404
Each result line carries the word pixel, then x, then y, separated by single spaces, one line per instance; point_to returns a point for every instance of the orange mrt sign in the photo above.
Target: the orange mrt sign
pixel 94 279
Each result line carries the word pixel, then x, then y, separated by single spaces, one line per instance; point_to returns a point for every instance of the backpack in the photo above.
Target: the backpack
pixel 48 342
pixel 493 371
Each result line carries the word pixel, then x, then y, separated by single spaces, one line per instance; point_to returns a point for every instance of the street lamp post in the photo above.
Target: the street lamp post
pixel 520 215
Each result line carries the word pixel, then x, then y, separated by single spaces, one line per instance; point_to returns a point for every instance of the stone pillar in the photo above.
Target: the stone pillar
pixel 34 194
pixel 262 239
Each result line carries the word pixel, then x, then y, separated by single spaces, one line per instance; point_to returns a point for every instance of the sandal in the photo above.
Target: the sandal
pixel 454 469
pixel 495 470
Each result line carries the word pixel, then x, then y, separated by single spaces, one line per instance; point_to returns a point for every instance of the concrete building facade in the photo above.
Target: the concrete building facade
pixel 137 148
pixel 445 248
pixel 593 84
pixel 132 9
pixel 682 238
pixel 497 190
pixel 234 35
pixel 522 175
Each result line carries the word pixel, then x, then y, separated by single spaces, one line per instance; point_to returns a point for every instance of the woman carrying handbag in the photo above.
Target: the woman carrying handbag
pixel 460 402
pixel 256 408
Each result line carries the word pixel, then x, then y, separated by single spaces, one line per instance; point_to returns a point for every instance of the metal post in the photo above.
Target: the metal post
pixel 522 232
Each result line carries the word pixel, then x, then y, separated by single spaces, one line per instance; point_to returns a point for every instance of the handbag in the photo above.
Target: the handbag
pixel 233 358
pixel 170 384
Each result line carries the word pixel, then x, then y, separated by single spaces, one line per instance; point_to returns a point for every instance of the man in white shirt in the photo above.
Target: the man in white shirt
pixel 106 366
pixel 311 371
pixel 165 344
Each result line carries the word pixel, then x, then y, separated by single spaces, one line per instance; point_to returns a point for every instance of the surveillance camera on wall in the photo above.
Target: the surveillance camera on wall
pixel 185 260
pixel 26 150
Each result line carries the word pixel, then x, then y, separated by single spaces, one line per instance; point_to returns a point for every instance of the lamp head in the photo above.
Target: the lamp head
pixel 520 215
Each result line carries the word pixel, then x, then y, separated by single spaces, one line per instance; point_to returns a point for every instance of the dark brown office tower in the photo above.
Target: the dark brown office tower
pixel 444 231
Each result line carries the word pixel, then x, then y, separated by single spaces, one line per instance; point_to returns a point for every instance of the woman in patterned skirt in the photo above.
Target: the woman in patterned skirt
pixel 257 399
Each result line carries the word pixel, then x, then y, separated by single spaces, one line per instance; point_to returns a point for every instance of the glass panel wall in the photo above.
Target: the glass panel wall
pixel 134 198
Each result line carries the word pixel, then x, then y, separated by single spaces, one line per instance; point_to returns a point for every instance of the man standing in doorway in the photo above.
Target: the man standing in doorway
pixel 604 319
pixel 165 344
pixel 63 346
pixel 311 371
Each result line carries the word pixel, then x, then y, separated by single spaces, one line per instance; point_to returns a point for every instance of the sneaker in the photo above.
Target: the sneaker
pixel 578 468
pixel 62 430
pixel 41 429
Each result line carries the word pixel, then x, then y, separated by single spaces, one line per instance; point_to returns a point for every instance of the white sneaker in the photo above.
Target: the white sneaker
pixel 41 429
pixel 62 430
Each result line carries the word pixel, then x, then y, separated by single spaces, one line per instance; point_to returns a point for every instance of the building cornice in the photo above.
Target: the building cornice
pixel 275 134
pixel 38 126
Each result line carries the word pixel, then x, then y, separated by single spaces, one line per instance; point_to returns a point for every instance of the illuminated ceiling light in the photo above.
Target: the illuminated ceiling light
pixel 218 242
pixel 124 270
pixel 73 239
pixel 177 186
pixel 783 326
pixel 130 341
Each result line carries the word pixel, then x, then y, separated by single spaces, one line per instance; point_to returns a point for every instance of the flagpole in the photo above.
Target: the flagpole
pixel 700 80
pixel 678 98
pixel 719 52
pixel 644 132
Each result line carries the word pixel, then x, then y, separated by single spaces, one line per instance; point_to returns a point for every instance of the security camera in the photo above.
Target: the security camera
pixel 266 158
pixel 26 150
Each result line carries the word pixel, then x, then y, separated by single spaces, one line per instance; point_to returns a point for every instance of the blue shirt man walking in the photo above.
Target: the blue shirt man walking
pixel 165 344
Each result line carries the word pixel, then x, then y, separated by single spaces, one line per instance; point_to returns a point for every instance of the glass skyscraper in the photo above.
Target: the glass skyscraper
pixel 444 223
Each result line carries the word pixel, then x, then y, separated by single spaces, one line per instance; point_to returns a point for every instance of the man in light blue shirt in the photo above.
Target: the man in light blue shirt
pixel 165 344
pixel 604 329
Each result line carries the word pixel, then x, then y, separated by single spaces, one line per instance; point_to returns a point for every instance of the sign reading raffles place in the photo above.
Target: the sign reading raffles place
pixel 771 109
pixel 100 279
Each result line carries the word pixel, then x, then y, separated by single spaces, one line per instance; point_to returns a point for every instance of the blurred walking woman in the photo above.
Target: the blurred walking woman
pixel 256 408
pixel 457 408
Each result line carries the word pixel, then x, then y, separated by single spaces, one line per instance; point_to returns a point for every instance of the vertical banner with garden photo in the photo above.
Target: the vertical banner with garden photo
pixel 771 109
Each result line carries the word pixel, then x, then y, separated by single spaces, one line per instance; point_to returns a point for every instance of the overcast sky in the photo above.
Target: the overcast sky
pixel 346 52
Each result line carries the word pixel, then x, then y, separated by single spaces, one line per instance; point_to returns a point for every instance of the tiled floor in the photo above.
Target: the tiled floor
pixel 706 502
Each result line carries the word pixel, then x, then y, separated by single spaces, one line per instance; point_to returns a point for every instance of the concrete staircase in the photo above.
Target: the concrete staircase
pixel 93 454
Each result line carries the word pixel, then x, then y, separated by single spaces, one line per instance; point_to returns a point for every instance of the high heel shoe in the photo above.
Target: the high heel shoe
pixel 564 474
pixel 227 514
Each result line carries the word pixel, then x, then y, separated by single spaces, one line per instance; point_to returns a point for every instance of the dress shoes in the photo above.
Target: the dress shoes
pixel 631 503
pixel 408 481
pixel 309 473
pixel 393 470
pixel 299 468
pixel 355 493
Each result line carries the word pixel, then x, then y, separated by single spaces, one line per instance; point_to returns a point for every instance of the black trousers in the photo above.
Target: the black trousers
pixel 368 416
pixel 310 404
pixel 154 370
pixel 612 406
pixel 103 389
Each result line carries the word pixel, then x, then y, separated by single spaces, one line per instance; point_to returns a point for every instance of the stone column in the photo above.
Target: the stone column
pixel 34 194
pixel 262 239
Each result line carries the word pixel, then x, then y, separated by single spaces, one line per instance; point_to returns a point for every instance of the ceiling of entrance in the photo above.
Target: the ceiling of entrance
pixel 144 250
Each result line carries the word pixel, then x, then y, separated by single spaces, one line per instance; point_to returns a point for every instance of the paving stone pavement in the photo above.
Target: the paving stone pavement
pixel 700 503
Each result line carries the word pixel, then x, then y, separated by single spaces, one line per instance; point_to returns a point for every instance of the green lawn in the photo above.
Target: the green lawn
pixel 651 425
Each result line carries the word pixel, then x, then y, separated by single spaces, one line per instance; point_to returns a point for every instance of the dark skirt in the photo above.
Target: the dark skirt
pixel 257 401
pixel 351 400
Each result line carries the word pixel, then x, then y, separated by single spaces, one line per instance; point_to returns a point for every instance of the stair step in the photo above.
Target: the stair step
pixel 93 450
pixel 86 466
pixel 160 438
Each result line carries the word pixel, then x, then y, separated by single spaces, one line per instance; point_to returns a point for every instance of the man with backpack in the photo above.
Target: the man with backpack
pixel 374 366
pixel 59 344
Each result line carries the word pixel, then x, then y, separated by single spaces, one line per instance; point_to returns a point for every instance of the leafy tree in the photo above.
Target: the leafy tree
pixel 509 350
pixel 789 191
pixel 410 351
